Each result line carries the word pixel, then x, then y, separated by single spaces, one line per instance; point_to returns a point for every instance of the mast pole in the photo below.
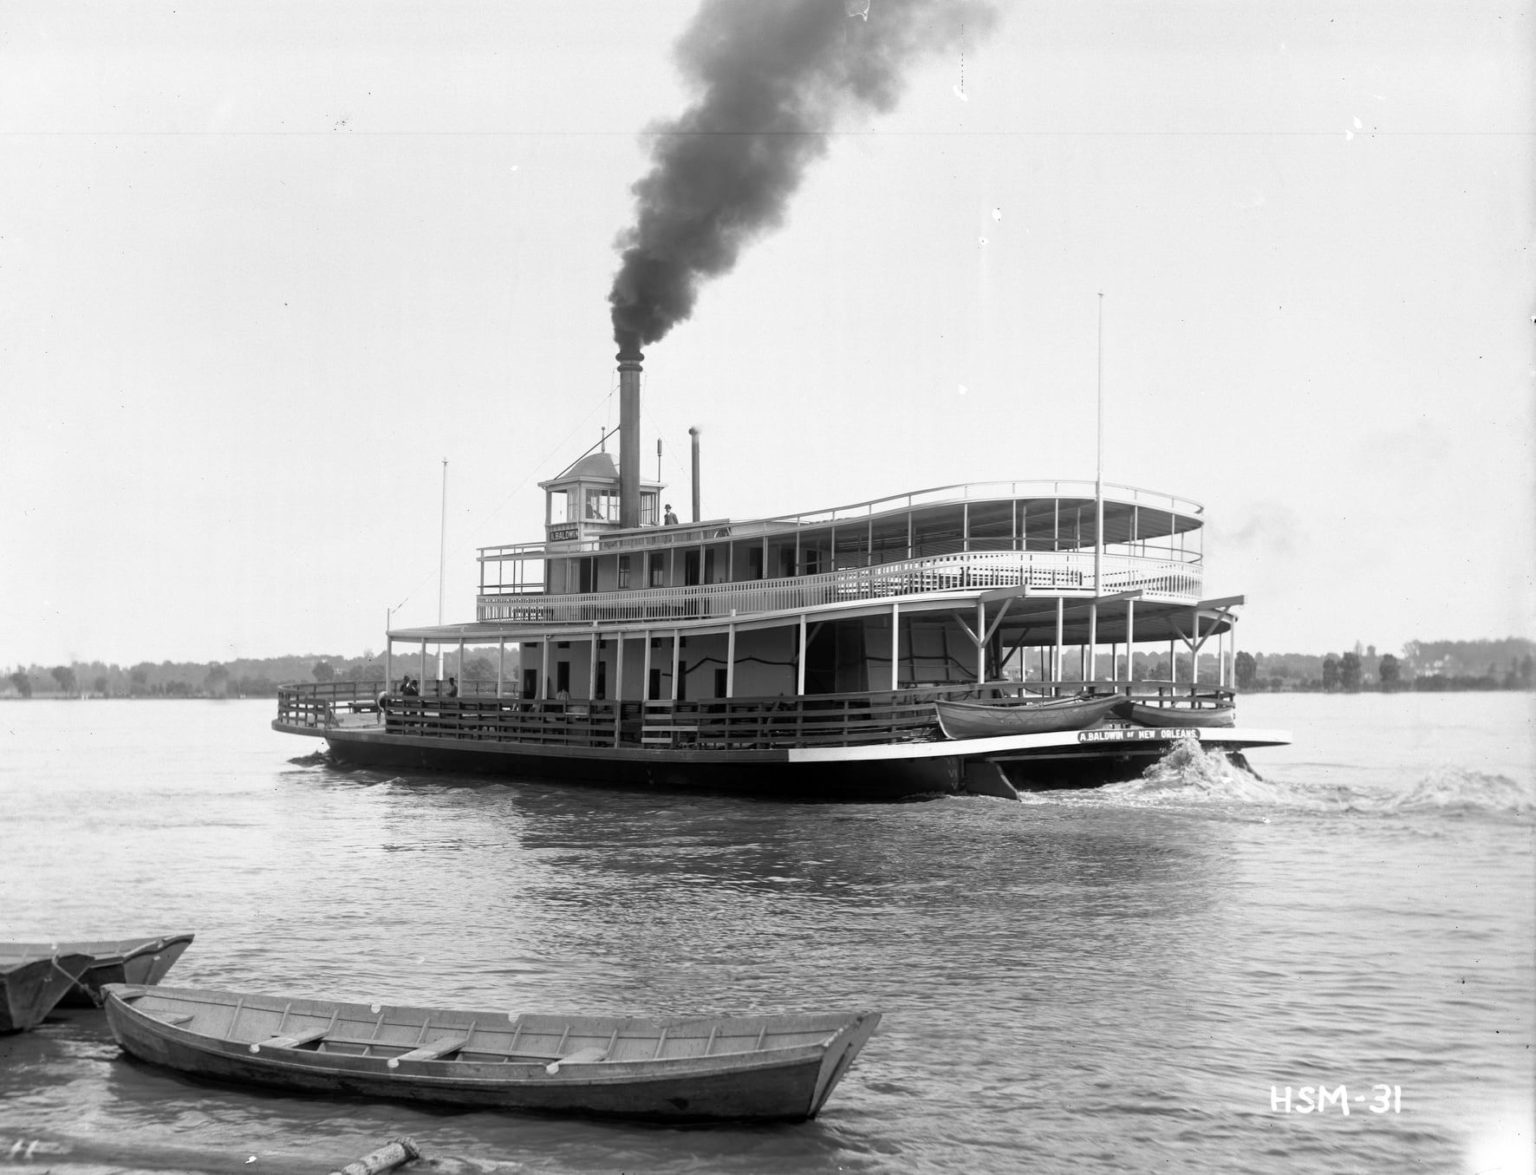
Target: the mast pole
pixel 1098 507
pixel 442 547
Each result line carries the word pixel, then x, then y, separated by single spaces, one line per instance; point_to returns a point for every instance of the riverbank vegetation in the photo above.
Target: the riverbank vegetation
pixel 1423 666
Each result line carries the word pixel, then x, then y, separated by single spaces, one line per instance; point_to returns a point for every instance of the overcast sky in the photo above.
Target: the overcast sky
pixel 265 265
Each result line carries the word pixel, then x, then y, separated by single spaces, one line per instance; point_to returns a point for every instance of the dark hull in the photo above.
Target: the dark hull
pixel 30 990
pixel 130 960
pixel 764 774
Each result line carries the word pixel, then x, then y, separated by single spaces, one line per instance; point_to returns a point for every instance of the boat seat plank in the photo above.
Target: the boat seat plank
pixel 587 1056
pixel 434 1049
pixel 293 1041
pixel 175 1020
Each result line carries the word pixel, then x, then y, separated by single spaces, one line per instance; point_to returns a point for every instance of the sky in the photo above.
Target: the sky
pixel 266 265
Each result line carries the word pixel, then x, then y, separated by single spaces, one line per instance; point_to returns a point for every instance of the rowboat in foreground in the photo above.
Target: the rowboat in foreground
pixel 988 720
pixel 679 1068
pixel 32 985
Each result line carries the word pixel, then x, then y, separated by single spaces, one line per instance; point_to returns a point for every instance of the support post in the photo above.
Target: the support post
pixel 1061 621
pixel 618 690
pixel 1130 641
pixel 981 642
pixel 645 668
pixel 730 661
pixel 1093 634
pixel 800 661
pixel 895 646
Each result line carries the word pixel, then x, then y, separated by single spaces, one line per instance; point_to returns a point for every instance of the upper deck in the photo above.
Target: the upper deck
pixel 1040 534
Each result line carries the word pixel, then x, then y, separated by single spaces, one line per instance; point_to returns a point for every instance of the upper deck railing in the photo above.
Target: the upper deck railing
pixel 1178 580
pixel 650 537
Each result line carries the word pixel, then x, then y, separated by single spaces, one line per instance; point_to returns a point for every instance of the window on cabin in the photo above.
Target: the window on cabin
pixel 559 506
pixel 602 506
pixel 587 569
pixel 648 514
pixel 656 565
pixel 623 571
pixel 720 683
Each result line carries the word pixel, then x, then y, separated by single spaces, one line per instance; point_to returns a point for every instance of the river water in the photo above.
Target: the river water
pixel 1127 979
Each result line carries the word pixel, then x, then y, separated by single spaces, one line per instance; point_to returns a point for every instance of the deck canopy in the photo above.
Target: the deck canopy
pixel 1020 619
pixel 1001 516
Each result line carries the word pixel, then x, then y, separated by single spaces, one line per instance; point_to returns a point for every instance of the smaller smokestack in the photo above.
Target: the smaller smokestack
pixel 693 434
pixel 629 358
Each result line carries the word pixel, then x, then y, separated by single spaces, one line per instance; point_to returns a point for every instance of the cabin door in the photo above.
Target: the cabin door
pixel 834 659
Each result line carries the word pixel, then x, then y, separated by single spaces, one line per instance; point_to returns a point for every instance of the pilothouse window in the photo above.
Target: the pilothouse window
pixel 559 506
pixel 602 506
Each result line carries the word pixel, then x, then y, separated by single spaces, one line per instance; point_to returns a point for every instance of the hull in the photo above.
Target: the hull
pixel 762 774
pixel 879 772
pixel 980 720
pixel 659 1069
pixel 127 960
pixel 30 989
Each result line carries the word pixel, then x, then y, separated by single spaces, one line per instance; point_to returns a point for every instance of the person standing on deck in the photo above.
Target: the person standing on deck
pixel 669 519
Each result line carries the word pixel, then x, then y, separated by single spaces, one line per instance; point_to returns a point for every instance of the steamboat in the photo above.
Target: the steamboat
pixel 936 642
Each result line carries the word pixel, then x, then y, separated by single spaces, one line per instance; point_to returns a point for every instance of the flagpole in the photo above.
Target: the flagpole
pixel 442 547
pixel 1098 499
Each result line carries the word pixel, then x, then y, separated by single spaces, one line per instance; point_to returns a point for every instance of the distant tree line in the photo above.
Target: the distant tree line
pixel 1424 666
pixel 244 678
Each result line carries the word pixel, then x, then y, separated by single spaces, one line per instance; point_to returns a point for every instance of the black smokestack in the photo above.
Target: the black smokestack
pixel 771 77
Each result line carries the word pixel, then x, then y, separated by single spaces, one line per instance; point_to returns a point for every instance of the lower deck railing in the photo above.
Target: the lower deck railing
pixel 837 720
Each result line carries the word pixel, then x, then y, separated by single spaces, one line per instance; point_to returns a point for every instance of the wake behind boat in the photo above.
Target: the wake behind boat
pixel 780 1067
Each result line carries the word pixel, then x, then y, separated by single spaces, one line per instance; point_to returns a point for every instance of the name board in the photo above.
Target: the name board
pixel 1117 735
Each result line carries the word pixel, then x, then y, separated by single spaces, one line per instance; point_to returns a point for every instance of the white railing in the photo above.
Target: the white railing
pixel 1051 571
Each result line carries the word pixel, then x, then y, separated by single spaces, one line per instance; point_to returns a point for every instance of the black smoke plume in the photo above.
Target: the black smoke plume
pixel 771 77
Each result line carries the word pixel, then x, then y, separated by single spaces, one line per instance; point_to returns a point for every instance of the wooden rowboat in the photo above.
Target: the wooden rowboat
pixel 1202 716
pixel 121 960
pixel 31 986
pixel 124 960
pixel 682 1068
pixel 986 720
